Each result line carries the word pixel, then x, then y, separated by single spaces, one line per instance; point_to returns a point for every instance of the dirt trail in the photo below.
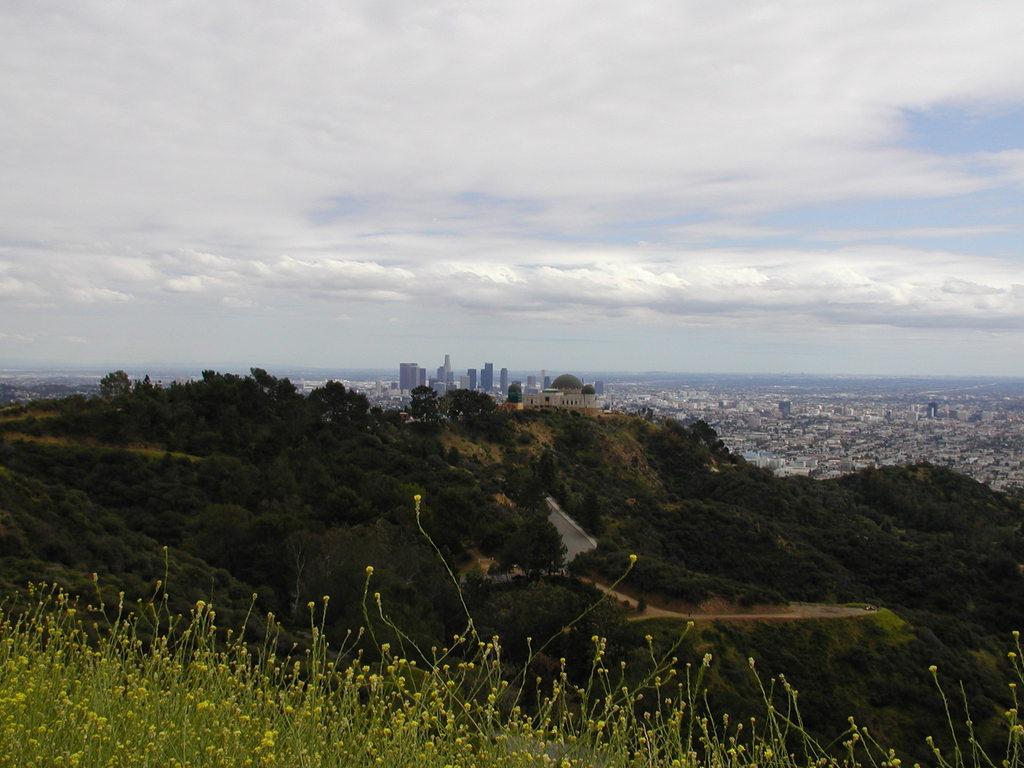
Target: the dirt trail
pixel 708 612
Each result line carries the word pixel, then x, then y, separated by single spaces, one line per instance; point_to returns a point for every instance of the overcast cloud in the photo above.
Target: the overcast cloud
pixel 784 186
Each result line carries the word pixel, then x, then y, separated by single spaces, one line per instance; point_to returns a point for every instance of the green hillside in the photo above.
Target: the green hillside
pixel 253 488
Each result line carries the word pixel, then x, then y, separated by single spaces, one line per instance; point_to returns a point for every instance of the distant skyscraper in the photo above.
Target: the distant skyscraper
pixel 785 409
pixel 531 383
pixel 487 377
pixel 598 387
pixel 933 410
pixel 422 376
pixel 471 373
pixel 504 380
pixel 448 376
pixel 441 374
pixel 408 376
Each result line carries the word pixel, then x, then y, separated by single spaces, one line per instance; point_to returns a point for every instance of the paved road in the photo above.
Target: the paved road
pixel 574 537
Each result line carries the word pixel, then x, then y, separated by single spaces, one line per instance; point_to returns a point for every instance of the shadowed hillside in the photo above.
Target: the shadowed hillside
pixel 255 488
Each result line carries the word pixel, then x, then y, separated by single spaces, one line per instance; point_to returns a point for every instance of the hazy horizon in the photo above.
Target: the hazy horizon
pixel 155 370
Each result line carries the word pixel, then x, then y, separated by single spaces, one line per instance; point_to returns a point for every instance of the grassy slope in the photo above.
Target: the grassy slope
pixel 934 547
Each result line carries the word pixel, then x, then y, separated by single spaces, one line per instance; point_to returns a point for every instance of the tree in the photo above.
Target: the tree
pixel 424 407
pixel 337 405
pixel 524 487
pixel 115 384
pixel 547 469
pixel 589 512
pixel 279 391
pixel 535 546
pixel 466 405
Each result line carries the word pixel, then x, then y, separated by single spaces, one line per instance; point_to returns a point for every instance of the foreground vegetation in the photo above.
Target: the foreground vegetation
pixel 98 686
pixel 255 488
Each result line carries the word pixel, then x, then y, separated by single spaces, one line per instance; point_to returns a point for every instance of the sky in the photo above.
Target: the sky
pixel 816 186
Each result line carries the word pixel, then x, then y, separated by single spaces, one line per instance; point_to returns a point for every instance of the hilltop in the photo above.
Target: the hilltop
pixel 253 488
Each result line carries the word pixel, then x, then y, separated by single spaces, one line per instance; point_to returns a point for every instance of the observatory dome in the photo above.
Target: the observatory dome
pixel 567 383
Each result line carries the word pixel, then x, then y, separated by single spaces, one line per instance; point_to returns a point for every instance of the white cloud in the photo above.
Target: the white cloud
pixel 571 160
pixel 1009 163
pixel 191 120
pixel 13 288
pixel 186 284
pixel 91 294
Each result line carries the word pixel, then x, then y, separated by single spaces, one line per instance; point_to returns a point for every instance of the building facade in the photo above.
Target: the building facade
pixel 566 391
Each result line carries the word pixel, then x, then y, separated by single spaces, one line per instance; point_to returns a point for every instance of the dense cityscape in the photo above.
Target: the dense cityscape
pixel 814 426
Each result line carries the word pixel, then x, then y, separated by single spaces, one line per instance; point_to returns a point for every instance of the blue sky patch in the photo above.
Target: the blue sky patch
pixel 950 131
pixel 895 221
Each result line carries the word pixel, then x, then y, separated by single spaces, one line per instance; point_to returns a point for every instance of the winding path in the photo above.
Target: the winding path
pixel 788 612
pixel 577 541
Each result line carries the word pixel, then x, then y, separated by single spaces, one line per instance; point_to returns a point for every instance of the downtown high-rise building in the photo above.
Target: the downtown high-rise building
pixel 503 376
pixel 471 375
pixel 487 377
pixel 409 376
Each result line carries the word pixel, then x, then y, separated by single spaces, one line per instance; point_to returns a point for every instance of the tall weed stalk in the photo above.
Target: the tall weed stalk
pixel 97 685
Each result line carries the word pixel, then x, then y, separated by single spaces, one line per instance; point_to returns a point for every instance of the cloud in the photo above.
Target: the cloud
pixel 966 287
pixel 234 302
pixel 331 277
pixel 186 284
pixel 916 233
pixel 91 294
pixel 876 285
pixel 866 284
pixel 572 161
pixel 564 110
pixel 13 288
pixel 1009 163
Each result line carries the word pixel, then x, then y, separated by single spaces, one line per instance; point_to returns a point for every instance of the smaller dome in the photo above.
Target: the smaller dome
pixel 588 389
pixel 567 382
pixel 515 386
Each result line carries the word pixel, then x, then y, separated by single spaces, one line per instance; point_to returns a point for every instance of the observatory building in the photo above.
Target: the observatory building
pixel 566 391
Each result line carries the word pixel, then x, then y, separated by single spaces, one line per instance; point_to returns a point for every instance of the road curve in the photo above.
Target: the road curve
pixel 576 540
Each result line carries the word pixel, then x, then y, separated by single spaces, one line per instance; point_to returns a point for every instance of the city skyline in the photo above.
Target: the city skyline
pixel 829 188
pixel 412 375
